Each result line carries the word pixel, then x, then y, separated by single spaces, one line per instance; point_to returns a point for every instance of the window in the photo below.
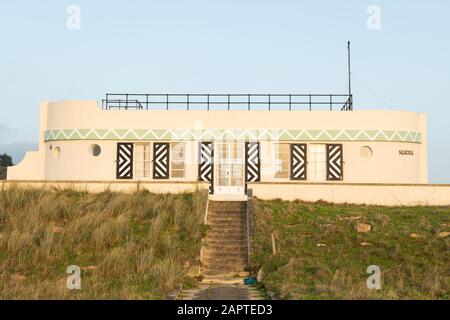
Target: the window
pixel 177 159
pixel 317 162
pixel 141 165
pixel 366 152
pixel 281 161
pixel 95 150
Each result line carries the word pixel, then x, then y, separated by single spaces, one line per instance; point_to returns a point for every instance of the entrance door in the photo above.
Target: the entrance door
pixel 229 159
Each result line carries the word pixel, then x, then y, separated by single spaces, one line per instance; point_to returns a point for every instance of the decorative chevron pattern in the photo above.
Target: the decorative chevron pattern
pixel 206 164
pixel 124 161
pixel 233 134
pixel 160 160
pixel 252 165
pixel 334 162
pixel 298 161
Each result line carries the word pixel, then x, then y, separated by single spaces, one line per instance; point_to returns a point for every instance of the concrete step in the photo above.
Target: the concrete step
pixel 226 250
pixel 232 242
pixel 212 273
pixel 223 246
pixel 228 204
pixel 228 215
pixel 227 247
pixel 229 208
pixel 219 255
pixel 228 228
pixel 225 210
pixel 240 237
pixel 232 225
pixel 225 260
pixel 223 233
pixel 214 278
pixel 235 241
pixel 225 268
pixel 225 219
pixel 226 223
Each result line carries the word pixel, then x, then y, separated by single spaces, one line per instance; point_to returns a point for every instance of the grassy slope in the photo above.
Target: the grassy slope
pixel 139 243
pixel 411 268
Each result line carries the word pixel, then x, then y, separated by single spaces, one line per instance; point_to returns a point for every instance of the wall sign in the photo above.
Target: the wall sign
pixel 406 152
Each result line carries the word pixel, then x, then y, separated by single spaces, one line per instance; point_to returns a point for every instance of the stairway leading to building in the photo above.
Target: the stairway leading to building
pixel 225 249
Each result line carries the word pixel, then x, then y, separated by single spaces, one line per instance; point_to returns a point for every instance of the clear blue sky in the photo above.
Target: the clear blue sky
pixel 225 46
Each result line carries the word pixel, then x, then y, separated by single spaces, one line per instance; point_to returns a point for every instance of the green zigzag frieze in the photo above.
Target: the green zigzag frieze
pixel 233 134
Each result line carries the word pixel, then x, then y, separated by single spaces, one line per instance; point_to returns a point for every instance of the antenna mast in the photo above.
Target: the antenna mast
pixel 349 77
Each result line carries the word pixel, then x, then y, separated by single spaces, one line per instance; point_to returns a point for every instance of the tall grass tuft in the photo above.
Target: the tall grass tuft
pixel 129 246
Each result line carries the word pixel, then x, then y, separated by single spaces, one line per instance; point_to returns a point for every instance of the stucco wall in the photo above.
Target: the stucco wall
pixel 87 114
pixel 31 167
pixel 386 165
pixel 76 163
pixel 369 194
pixel 101 186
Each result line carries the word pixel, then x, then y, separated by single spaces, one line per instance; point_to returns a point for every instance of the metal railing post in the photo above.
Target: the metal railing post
pixel 167 102
pixel 269 100
pixel 290 102
pixel 228 102
pixel 310 107
pixel 248 101
pixel 187 96
pixel 331 103
pixel 207 102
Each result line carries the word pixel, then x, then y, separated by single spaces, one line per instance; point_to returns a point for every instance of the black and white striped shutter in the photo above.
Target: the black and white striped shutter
pixel 124 161
pixel 335 167
pixel 161 160
pixel 206 164
pixel 252 163
pixel 298 161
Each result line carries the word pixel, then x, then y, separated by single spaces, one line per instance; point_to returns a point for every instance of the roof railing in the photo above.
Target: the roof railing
pixel 152 101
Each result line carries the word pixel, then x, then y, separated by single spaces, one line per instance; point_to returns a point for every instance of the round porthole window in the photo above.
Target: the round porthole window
pixel 366 152
pixel 56 151
pixel 95 150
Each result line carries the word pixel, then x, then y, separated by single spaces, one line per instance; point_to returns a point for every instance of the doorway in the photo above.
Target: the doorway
pixel 229 168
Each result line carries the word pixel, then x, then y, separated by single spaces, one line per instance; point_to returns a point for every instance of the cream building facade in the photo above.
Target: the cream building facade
pixel 80 141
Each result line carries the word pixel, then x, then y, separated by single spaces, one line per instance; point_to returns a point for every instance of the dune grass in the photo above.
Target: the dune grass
pixel 129 246
pixel 322 256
